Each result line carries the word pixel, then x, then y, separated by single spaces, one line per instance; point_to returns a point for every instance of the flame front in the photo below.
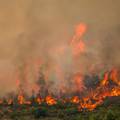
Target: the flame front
pixel 76 91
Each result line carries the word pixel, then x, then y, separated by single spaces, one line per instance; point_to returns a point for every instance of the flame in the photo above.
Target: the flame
pixel 75 99
pixel 78 45
pixel 50 100
pixel 86 102
pixel 115 91
pixel 90 102
pixel 39 100
pixel 78 81
pixel 105 80
pixel 114 76
pixel 21 99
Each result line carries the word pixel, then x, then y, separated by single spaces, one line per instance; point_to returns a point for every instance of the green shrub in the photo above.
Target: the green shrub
pixel 110 115
pixel 40 112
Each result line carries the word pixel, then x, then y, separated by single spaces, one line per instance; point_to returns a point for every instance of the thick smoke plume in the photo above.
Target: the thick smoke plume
pixel 36 37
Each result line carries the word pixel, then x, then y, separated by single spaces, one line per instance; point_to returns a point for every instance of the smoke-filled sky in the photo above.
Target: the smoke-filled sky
pixel 29 29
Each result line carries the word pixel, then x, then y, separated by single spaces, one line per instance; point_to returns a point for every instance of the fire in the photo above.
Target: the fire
pixel 77 44
pixel 108 86
pixel 75 99
pixel 79 31
pixel 115 92
pixel 85 102
pixel 114 76
pixel 21 99
pixel 105 80
pixel 78 81
pixel 50 100
pixel 89 106
pixel 89 102
pixel 39 100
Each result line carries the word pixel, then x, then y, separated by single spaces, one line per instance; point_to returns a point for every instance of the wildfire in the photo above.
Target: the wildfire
pixel 108 86
pixel 39 100
pixel 90 102
pixel 21 99
pixel 50 100
pixel 115 91
pixel 77 44
pixel 115 76
pixel 105 80
pixel 75 99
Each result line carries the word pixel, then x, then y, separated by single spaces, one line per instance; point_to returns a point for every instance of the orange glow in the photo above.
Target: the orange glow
pixel 39 100
pixel 21 99
pixel 27 102
pixel 78 46
pixel 115 92
pixel 68 82
pixel 1 101
pixel 10 101
pixel 79 31
pixel 50 100
pixel 78 81
pixel 75 99
pixel 105 80
pixel 115 77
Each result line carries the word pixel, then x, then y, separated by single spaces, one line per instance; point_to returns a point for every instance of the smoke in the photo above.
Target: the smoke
pixel 110 47
pixel 37 33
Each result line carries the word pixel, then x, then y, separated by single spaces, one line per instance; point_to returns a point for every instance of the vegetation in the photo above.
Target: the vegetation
pixel 57 112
